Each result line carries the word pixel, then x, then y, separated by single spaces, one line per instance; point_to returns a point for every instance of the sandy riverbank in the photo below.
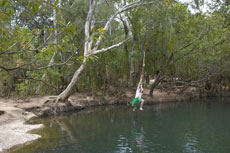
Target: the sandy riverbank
pixel 13 130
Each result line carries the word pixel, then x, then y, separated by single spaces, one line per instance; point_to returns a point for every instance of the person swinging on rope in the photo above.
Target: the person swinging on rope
pixel 138 98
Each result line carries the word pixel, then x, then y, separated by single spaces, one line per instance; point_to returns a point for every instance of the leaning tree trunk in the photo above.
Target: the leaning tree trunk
pixel 155 83
pixel 89 25
pixel 67 92
pixel 89 49
pixel 158 76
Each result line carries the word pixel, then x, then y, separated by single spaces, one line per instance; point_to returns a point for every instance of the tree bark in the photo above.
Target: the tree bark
pixel 89 49
pixel 155 83
pixel 128 33
pixel 38 90
pixel 67 92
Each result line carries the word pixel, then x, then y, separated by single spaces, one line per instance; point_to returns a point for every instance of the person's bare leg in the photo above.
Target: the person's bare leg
pixel 142 103
pixel 134 108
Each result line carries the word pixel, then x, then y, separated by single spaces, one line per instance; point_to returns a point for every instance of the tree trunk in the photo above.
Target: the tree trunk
pixel 38 90
pixel 67 92
pixel 51 62
pixel 89 49
pixel 155 83
pixel 128 33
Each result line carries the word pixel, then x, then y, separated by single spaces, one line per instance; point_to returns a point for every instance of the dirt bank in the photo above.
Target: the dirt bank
pixel 13 131
pixel 14 112
pixel 43 106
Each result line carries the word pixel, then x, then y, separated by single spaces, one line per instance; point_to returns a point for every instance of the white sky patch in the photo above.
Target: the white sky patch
pixel 205 8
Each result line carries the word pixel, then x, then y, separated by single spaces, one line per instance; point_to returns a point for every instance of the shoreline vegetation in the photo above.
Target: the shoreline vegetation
pixel 93 53
pixel 15 112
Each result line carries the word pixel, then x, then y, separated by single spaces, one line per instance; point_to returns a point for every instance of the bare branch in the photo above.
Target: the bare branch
pixel 124 8
pixel 45 42
pixel 194 83
pixel 26 49
pixel 107 3
pixel 19 50
pixel 108 48
pixel 37 80
pixel 15 68
pixel 11 46
pixel 51 65
pixel 191 51
pixel 38 68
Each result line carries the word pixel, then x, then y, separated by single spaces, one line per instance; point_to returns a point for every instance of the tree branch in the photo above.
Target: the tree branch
pixel 37 80
pixel 51 65
pixel 124 8
pixel 38 68
pixel 15 68
pixel 27 49
pixel 108 48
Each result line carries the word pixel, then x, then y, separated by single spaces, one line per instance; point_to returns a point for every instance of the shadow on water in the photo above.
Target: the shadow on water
pixel 175 127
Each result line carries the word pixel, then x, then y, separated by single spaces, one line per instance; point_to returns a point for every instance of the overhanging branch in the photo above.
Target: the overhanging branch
pixel 30 78
pixel 124 8
pixel 37 68
pixel 108 48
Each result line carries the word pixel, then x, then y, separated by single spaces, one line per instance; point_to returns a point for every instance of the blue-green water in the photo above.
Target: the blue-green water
pixel 197 127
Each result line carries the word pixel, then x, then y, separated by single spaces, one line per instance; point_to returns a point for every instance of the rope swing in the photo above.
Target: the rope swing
pixel 138 97
pixel 144 55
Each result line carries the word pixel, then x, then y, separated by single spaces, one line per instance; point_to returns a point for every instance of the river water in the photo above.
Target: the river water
pixel 189 127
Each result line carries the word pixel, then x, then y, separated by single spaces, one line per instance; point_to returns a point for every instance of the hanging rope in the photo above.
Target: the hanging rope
pixel 144 54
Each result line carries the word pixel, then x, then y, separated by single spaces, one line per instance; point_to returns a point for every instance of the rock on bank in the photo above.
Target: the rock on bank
pixel 13 130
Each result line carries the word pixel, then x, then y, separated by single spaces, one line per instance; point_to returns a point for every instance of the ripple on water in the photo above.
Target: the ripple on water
pixel 187 128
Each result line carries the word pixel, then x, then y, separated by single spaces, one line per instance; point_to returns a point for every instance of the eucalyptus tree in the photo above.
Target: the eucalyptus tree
pixel 48 42
pixel 90 44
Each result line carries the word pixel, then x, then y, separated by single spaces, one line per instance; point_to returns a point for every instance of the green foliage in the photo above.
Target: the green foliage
pixel 27 43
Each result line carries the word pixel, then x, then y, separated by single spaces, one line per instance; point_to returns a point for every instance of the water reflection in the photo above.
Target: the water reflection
pixel 138 133
pixel 190 143
pixel 188 128
pixel 123 145
pixel 65 128
pixel 135 141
